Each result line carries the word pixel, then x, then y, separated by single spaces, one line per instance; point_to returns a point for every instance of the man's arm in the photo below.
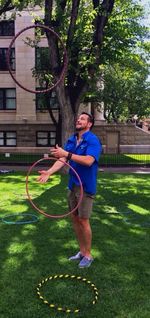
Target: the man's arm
pixel 45 174
pixel 59 152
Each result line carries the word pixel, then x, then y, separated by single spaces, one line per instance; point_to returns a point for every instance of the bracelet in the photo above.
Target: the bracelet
pixel 69 156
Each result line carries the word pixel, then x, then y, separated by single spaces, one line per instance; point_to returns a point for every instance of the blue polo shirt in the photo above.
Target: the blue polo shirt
pixel 90 145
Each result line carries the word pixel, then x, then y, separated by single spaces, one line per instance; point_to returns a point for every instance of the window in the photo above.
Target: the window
pixel 7 98
pixel 41 58
pixel 46 138
pixel 45 100
pixel 3 59
pixel 7 28
pixel 8 139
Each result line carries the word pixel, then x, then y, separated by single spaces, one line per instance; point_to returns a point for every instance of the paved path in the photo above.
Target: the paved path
pixel 142 170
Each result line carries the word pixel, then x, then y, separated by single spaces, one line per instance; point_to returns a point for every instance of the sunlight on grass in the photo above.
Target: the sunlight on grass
pixel 17 248
pixel 96 253
pixel 12 263
pixel 138 209
pixel 62 224
pixel 141 157
pixel 28 229
pixel 71 244
pixel 60 201
pixel 109 222
pixel 137 231
pixel 112 243
pixel 128 277
pixel 62 260
pixel 17 207
pixel 109 209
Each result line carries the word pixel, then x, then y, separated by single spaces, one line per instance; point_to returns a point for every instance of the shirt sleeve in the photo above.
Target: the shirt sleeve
pixel 94 148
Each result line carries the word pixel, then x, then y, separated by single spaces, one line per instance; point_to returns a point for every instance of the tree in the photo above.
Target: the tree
pixel 125 69
pixel 81 24
pixel 91 30
pixel 125 91
pixel 9 5
pixel 95 33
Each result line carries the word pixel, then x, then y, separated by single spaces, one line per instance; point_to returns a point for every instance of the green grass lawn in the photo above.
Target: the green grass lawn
pixel 105 159
pixel 32 252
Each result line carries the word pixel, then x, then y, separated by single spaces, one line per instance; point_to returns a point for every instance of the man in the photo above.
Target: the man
pixel 82 150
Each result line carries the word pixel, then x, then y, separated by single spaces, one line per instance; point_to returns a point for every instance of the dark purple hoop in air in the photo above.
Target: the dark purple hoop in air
pixel 37 208
pixel 65 59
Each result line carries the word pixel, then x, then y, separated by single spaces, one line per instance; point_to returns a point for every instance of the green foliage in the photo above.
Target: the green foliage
pixel 116 55
pixel 126 91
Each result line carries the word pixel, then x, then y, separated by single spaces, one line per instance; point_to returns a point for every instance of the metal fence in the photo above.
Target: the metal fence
pixel 105 159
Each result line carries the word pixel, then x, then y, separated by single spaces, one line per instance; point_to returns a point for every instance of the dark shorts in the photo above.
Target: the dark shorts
pixel 85 208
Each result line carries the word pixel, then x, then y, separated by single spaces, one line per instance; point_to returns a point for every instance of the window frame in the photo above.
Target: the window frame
pixel 7 98
pixel 5 138
pixel 48 138
pixel 3 53
pixel 11 27
pixel 39 53
pixel 54 105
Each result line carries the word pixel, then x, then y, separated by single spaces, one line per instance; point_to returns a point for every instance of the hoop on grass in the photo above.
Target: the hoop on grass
pixel 42 211
pixel 66 276
pixel 65 60
pixel 31 218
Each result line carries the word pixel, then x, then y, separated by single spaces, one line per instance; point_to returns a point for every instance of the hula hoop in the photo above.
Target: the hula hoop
pixel 33 219
pixel 66 276
pixel 38 209
pixel 65 59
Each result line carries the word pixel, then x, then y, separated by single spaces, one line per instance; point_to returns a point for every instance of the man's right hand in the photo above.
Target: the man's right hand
pixel 44 176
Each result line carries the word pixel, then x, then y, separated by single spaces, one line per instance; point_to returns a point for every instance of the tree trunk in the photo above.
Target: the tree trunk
pixel 68 117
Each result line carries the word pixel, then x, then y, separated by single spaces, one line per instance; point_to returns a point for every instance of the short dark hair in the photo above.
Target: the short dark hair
pixel 90 117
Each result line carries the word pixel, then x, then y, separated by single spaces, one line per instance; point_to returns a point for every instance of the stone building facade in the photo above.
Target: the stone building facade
pixel 24 127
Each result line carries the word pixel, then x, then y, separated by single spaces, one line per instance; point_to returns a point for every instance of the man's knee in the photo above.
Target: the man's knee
pixel 84 222
pixel 74 216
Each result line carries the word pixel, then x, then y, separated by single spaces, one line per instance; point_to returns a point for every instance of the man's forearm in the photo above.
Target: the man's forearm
pixel 82 160
pixel 59 152
pixel 57 166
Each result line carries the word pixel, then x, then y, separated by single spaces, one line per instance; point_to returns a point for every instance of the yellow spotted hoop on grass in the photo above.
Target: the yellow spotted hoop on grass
pixel 66 276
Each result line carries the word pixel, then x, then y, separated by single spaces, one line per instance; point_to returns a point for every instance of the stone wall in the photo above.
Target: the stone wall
pixel 131 139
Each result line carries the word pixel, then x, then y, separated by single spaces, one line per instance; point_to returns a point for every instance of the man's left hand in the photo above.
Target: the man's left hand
pixel 59 152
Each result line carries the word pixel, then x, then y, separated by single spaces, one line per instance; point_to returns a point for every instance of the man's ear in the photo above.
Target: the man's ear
pixel 90 124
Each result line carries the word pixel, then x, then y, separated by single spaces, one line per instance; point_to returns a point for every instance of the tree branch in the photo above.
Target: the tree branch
pixel 48 12
pixel 63 4
pixel 8 6
pixel 104 11
pixel 74 14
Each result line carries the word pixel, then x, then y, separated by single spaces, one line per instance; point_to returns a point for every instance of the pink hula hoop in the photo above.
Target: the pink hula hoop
pixel 38 209
pixel 65 59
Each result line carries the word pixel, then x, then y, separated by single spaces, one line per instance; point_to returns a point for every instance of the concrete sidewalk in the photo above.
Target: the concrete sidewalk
pixel 141 169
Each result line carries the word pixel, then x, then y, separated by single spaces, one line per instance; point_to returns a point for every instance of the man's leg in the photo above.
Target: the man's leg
pixel 80 220
pixel 83 233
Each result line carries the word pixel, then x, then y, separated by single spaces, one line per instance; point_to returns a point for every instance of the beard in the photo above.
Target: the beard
pixel 79 129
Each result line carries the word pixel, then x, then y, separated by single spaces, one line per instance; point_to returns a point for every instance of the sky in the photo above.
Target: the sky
pixel 146 4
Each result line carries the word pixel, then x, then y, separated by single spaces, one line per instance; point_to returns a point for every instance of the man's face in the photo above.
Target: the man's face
pixel 82 123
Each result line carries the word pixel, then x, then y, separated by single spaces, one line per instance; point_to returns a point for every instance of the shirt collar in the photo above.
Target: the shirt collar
pixel 84 136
